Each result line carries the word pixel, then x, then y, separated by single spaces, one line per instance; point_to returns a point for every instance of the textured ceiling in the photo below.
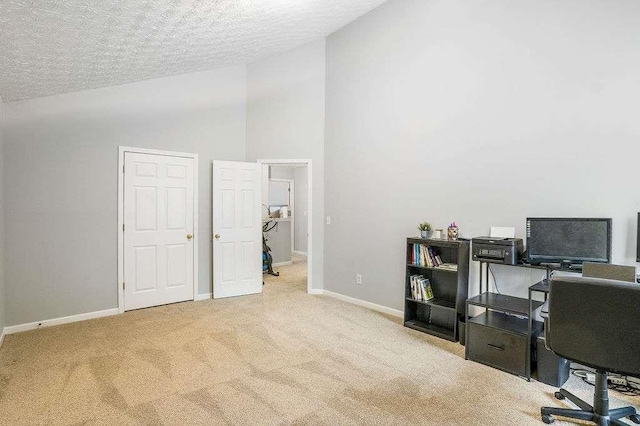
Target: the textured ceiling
pixel 58 46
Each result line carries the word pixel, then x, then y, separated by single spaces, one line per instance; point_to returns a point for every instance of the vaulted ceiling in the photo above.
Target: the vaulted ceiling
pixel 50 47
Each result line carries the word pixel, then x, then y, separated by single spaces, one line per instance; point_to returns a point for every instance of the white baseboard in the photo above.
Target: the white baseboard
pixel 200 297
pixel 301 253
pixel 57 321
pixel 364 303
pixel 108 312
pixel 288 262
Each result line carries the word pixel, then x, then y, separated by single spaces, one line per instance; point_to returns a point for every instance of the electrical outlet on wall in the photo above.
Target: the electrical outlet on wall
pixel 359 279
pixel 328 220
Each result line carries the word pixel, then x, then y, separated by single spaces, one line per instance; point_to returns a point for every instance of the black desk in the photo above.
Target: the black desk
pixel 509 321
pixel 502 337
pixel 484 271
pixel 540 287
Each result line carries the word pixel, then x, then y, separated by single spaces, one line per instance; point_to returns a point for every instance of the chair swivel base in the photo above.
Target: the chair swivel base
pixel 586 412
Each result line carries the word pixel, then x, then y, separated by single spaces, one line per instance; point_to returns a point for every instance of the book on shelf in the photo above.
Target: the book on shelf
pixel 415 294
pixel 420 288
pixel 449 266
pixel 428 291
pixel 434 257
pixel 415 256
pixel 425 256
pixel 414 288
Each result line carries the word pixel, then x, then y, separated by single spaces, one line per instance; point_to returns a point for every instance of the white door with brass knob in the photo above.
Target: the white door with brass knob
pixel 237 229
pixel 158 229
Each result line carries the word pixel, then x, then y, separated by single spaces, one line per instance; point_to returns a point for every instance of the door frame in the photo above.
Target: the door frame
pixel 309 164
pixel 121 151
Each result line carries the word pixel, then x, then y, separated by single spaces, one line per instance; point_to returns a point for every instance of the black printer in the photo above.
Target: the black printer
pixel 497 250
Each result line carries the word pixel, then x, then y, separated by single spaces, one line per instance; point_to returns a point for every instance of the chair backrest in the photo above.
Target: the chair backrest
pixel 608 271
pixel 595 322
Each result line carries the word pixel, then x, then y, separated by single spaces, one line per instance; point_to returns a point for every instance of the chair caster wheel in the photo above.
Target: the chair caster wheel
pixel 558 395
pixel 635 418
pixel 547 418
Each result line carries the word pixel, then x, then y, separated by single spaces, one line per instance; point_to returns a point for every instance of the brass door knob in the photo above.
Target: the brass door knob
pixel 189 236
pixel 217 236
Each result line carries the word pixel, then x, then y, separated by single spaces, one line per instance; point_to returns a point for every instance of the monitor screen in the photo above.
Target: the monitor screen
pixel 638 241
pixel 553 240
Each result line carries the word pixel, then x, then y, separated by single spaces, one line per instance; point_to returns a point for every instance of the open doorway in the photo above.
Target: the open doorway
pixel 286 211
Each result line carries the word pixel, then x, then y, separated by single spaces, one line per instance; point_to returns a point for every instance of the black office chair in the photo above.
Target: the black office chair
pixel 594 322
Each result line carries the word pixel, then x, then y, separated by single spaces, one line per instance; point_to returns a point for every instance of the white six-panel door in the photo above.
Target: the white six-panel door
pixel 158 230
pixel 237 229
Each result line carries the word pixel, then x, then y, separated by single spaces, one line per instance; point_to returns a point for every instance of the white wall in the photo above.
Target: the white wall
pixel 479 112
pixel 285 120
pixel 2 206
pixel 60 191
pixel 280 172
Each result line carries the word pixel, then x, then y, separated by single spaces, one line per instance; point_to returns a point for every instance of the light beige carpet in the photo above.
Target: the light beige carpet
pixel 282 357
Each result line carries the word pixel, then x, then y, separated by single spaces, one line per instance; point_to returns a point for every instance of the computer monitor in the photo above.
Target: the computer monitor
pixel 638 240
pixel 568 240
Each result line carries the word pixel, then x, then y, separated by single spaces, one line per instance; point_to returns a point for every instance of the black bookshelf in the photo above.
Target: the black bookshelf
pixel 438 316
